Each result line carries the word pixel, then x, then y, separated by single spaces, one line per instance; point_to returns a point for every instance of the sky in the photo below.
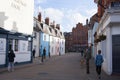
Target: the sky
pixel 67 13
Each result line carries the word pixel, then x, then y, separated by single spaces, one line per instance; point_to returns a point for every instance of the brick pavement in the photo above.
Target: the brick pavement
pixel 66 67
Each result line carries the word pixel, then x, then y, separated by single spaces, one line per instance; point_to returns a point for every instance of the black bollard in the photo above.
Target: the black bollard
pixel 42 58
pixel 87 66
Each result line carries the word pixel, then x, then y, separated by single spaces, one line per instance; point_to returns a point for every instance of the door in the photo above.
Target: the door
pixel 116 53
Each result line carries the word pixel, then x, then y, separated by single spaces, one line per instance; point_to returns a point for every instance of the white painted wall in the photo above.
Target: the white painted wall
pixel 52 45
pixel 2 51
pixel 36 44
pixel 17 15
pixel 109 25
pixel 62 45
pixel 22 57
pixel 115 29
pixel 2 58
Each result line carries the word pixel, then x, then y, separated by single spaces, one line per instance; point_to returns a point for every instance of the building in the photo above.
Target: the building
pixel 16 26
pixel 19 43
pixel 92 25
pixel 80 37
pixel 50 38
pixel 102 5
pixel 68 43
pixel 107 37
pixel 77 39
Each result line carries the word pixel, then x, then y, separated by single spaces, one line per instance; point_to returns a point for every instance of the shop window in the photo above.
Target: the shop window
pixel 29 45
pixel 10 44
pixel 16 45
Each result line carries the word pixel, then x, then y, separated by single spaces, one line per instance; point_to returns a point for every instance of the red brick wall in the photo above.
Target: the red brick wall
pixel 106 4
pixel 80 35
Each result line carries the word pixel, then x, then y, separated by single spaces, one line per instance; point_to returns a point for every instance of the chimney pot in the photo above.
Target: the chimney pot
pixel 39 17
pixel 47 20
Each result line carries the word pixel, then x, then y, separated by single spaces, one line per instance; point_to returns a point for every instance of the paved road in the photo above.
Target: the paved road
pixel 65 67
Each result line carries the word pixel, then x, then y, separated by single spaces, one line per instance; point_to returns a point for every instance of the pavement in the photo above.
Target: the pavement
pixel 64 67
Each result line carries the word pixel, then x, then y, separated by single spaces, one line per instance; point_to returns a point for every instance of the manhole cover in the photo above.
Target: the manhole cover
pixel 42 73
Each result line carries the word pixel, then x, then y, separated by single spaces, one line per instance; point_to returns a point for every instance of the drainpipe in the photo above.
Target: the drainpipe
pixel 7 50
pixel 30 39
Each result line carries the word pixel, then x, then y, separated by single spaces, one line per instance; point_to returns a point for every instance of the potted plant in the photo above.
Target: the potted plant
pixel 102 37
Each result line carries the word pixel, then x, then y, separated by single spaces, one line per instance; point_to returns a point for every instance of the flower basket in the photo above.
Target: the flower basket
pixel 97 40
pixel 102 37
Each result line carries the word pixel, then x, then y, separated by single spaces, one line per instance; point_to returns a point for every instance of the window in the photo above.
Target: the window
pixel 29 45
pixel 50 30
pixel 56 32
pixel 52 40
pixel 35 34
pixel 41 25
pixel 16 45
pixel 10 44
pixel 44 37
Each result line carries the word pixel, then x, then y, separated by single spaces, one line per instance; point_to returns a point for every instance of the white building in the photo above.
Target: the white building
pixel 110 26
pixel 49 37
pixel 16 16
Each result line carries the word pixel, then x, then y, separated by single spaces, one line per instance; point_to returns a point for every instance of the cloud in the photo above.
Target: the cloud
pixel 37 7
pixel 37 2
pixel 54 14
pixel 67 18
pixel 72 18
pixel 91 12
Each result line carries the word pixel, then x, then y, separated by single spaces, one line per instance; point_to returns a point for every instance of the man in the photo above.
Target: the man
pixel 87 57
pixel 98 62
pixel 11 56
pixel 33 53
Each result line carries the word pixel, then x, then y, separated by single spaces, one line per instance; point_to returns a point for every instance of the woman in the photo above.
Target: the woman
pixel 11 57
pixel 98 62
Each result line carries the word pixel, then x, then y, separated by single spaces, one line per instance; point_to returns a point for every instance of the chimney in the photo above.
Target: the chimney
pixel 53 24
pixel 58 26
pixel 86 21
pixel 47 20
pixel 39 17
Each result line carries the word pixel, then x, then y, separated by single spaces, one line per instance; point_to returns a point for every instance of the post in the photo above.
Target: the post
pixel 87 66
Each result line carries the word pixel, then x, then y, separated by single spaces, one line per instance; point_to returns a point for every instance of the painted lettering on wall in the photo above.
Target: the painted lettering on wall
pixel 17 4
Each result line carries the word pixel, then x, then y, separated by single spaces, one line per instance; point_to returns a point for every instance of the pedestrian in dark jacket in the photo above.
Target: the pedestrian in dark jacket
pixel 98 62
pixel 33 53
pixel 11 56
pixel 44 53
pixel 87 57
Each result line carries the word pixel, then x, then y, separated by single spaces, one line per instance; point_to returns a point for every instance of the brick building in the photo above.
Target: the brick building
pixel 102 5
pixel 77 39
pixel 68 43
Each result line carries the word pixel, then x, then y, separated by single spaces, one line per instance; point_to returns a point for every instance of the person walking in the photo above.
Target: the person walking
pixel 33 53
pixel 87 57
pixel 82 52
pixel 43 55
pixel 44 52
pixel 11 56
pixel 98 62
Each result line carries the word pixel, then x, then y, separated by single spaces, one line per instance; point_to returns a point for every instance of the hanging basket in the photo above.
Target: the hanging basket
pixel 97 40
pixel 102 37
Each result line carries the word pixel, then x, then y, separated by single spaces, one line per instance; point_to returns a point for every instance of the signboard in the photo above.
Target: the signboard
pixel 17 15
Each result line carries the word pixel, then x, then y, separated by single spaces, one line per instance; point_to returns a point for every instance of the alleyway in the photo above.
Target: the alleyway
pixel 66 67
